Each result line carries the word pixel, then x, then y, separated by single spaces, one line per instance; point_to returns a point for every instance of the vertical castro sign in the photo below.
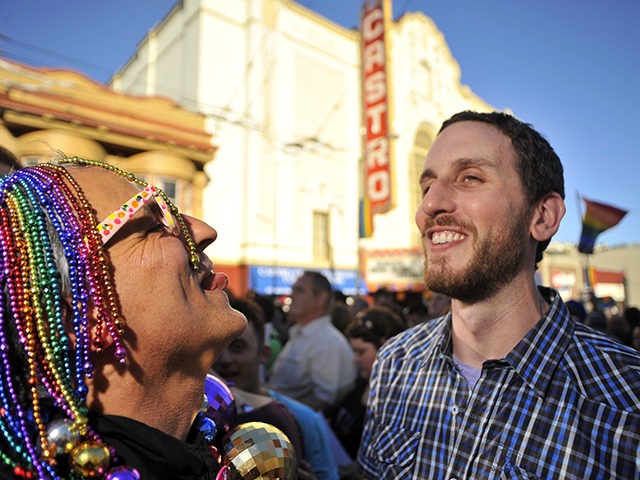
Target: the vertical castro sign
pixel 377 181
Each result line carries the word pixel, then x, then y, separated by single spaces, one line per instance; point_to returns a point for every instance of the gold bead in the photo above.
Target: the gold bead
pixel 90 459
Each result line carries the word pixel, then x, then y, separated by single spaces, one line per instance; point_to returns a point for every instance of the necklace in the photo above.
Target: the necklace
pixel 52 266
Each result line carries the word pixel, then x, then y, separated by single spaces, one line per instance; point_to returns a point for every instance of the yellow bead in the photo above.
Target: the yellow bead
pixel 90 459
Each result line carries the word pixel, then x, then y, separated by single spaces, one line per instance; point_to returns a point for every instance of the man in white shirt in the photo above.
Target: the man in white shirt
pixel 316 366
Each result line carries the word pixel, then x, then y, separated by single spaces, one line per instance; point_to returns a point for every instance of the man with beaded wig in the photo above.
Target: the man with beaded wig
pixel 111 317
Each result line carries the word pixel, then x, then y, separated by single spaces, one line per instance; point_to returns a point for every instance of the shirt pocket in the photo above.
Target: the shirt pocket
pixel 516 473
pixel 394 450
pixel 507 463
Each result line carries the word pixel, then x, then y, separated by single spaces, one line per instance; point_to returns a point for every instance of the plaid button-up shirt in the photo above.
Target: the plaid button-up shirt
pixel 564 404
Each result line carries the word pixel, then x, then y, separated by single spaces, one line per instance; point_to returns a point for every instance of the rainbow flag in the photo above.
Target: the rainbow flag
pixel 598 217
pixel 366 219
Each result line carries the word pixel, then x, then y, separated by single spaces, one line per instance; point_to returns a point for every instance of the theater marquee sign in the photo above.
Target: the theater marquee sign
pixel 398 270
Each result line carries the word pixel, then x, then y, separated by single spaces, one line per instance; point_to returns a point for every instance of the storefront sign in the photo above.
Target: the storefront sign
pixel 271 280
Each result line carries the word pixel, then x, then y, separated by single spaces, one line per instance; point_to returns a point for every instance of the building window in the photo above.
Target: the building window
pixel 321 240
pixel 179 191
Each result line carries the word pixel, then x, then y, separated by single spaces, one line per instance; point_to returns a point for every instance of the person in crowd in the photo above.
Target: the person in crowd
pixel 340 315
pixel 387 298
pixel 275 329
pixel 415 313
pixel 357 303
pixel 316 366
pixel 577 310
pixel 507 384
pixel 632 316
pixel 252 406
pixel 384 297
pixel 239 364
pixel 618 328
pixel 439 305
pixel 366 333
pixel 635 338
pixel 597 320
pixel 111 316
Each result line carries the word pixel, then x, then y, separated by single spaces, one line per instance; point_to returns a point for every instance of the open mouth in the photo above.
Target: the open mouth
pixel 214 281
pixel 439 238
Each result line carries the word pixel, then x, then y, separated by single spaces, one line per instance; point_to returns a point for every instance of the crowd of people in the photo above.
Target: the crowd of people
pixel 366 322
pixel 114 320
pixel 620 323
pixel 325 357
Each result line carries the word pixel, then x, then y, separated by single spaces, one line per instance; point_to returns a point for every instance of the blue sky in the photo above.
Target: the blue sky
pixel 570 68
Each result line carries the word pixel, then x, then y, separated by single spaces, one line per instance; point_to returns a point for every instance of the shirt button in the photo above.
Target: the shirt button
pixel 454 411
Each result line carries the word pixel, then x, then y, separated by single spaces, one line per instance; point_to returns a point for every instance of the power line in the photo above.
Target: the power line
pixel 225 114
pixel 62 56
pixel 404 7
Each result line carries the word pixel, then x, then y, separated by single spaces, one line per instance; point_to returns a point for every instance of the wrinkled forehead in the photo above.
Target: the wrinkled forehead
pixel 104 190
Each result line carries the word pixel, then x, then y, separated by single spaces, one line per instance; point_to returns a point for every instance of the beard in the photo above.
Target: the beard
pixel 497 258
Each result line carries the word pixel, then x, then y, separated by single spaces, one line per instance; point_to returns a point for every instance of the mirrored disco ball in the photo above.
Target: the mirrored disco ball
pixel 222 405
pixel 257 450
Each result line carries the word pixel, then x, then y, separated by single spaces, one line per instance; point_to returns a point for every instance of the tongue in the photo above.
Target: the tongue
pixel 220 281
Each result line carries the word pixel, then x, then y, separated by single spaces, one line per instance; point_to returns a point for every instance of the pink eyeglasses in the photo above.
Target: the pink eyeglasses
pixel 115 221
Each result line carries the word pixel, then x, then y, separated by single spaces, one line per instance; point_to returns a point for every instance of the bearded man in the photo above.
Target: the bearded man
pixel 505 385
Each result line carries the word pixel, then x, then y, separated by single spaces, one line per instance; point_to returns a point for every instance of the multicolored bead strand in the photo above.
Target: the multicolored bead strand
pixel 103 292
pixel 46 226
pixel 21 426
pixel 53 264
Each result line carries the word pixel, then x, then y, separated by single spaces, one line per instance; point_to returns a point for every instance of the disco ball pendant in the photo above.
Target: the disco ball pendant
pixel 259 451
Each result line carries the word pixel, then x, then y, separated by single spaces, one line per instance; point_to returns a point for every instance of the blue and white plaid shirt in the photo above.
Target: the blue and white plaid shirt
pixel 564 404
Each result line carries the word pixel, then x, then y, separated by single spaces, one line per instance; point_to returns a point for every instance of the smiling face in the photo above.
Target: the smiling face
pixel 240 362
pixel 473 217
pixel 178 320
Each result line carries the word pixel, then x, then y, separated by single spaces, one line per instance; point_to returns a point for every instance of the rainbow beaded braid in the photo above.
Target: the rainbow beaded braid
pixel 51 250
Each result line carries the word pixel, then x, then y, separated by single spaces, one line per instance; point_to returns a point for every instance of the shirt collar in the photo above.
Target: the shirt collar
pixel 538 354
pixel 440 331
pixel 443 344
pixel 311 327
pixel 155 454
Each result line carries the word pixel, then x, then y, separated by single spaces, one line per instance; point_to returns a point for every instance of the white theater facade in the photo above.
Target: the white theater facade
pixel 292 100
pixel 281 88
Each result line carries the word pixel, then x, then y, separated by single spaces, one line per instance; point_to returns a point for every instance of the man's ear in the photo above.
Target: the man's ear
pixel 546 217
pixel 323 299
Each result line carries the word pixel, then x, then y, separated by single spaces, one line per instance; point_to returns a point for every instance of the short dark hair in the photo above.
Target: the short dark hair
pixel 538 164
pixel 375 324
pixel 319 283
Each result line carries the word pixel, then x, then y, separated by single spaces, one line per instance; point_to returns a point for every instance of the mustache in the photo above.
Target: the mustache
pixel 445 221
pixel 448 221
